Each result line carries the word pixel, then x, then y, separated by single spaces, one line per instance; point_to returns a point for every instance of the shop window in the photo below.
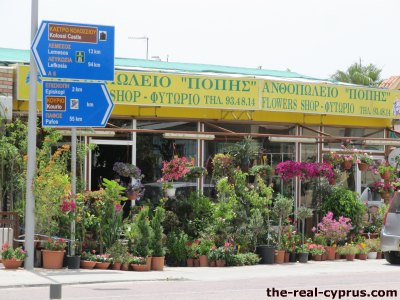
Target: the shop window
pixel 153 149
pixel 369 133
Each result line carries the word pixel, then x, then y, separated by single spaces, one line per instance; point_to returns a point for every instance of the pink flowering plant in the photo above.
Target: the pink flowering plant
pixel 333 230
pixel 176 168
pixel 315 249
pixel 383 187
pixel 13 254
pixel 68 205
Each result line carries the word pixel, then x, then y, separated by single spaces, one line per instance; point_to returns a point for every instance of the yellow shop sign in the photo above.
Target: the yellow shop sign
pixel 160 89
pixel 173 90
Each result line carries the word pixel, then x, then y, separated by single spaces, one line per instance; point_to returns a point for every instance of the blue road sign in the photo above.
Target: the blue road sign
pixel 75 51
pixel 75 104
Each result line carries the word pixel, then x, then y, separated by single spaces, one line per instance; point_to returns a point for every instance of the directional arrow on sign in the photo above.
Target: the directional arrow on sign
pixel 74 51
pixel 75 104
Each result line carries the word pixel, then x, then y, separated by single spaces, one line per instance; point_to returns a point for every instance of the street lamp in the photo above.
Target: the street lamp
pixel 142 38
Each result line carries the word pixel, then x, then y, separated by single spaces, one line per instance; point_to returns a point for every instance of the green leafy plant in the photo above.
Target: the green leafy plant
pixel 303 213
pixel 157 245
pixel 176 245
pixel 282 209
pixel 138 260
pixel 117 251
pixel 143 229
pixel 343 202
pixel 85 255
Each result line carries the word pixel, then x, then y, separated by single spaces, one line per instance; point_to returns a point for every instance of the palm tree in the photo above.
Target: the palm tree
pixel 358 74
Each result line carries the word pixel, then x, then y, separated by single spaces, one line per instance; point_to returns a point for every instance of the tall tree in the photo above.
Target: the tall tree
pixel 357 73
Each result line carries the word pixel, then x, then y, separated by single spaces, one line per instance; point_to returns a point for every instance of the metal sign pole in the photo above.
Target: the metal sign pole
pixel 73 182
pixel 31 166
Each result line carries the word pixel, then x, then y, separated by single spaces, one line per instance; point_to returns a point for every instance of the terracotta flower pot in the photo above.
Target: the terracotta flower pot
pixel 279 256
pixel 212 263
pixel 347 164
pixel 350 257
pixel 12 263
pixel 189 262
pixel 196 262
pixel 139 268
pixel 386 175
pixel 220 263
pixel 385 196
pixel 363 167
pixel 148 262
pixel 116 266
pixel 203 261
pixel 157 263
pixel 317 257
pixel 330 252
pixel 53 259
pixel 125 267
pixel 362 256
pixel 87 264
pixel 102 265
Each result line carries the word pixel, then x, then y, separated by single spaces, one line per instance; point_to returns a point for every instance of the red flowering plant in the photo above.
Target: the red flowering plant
pixel 68 205
pixel 176 168
pixel 55 244
pixel 13 254
pixel 383 187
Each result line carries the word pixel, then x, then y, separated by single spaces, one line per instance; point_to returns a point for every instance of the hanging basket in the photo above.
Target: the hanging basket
pixel 363 166
pixel 385 196
pixel 386 175
pixel 347 164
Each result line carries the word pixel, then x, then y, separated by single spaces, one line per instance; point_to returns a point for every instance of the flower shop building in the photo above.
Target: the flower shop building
pixel 164 109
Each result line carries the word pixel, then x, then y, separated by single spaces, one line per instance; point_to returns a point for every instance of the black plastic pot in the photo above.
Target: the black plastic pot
pixel 303 257
pixel 267 254
pixel 292 257
pixel 72 262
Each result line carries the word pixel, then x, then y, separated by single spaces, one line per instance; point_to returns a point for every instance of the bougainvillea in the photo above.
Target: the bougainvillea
pixel 333 230
pixel 304 170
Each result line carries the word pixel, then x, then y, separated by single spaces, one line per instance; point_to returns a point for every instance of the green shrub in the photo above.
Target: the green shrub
pixel 343 202
pixel 176 247
pixel 246 259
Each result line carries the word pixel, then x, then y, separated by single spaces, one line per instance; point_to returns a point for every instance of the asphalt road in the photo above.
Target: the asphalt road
pixel 350 280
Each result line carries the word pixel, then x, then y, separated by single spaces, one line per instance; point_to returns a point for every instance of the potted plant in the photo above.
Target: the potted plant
pixel 385 170
pixel 333 230
pixel 282 209
pixel 192 250
pixel 223 166
pixel 374 246
pixel 349 250
pixel 196 172
pixel 316 251
pixel 332 158
pixel 363 250
pixel 53 253
pixel 303 213
pixel 157 244
pixel 302 252
pixel 204 247
pixel 364 161
pixel 135 190
pixel 12 258
pixel 117 252
pixel 212 256
pixel 68 208
pixel 138 263
pixel 174 169
pixel 127 170
pixel 384 189
pixel 88 260
pixel 103 261
pixel 144 232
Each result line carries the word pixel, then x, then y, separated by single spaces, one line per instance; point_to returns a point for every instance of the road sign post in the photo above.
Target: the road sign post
pixel 74 51
pixel 75 104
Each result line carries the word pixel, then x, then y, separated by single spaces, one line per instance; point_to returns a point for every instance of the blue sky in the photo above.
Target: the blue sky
pixel 311 37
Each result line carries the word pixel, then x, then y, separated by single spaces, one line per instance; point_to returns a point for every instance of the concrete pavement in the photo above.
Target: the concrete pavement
pixel 43 277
